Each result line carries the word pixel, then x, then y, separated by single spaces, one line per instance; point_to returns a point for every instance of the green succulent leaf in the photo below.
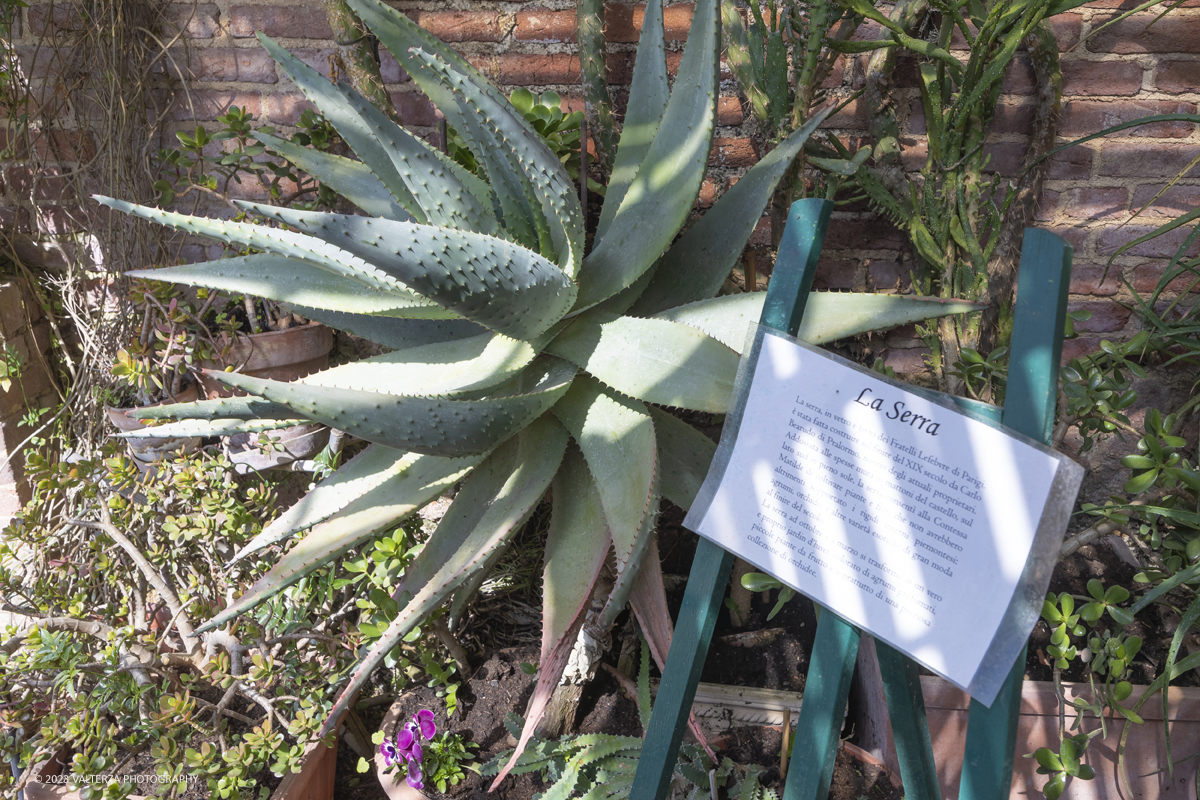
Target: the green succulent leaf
pixel 215 427
pixel 699 262
pixel 387 503
pixel 361 474
pixel 616 436
pixel 828 317
pixel 397 334
pixel 654 360
pixel 351 179
pixel 442 368
pixel 430 425
pixel 661 195
pixel 496 283
pixel 648 96
pixel 545 180
pixel 499 494
pixel 685 454
pixel 245 408
pixel 289 280
pixel 272 240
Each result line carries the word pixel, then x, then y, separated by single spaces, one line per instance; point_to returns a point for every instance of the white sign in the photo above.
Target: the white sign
pixel 904 516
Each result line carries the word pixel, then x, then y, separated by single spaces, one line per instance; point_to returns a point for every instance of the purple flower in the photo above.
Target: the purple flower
pixel 415 777
pixel 423 720
pixel 391 753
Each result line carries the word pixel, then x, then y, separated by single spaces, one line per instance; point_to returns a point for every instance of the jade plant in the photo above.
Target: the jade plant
pixel 518 362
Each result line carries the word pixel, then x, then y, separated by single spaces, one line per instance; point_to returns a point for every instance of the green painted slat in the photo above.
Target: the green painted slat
pixel 782 310
pixel 1028 408
pixel 819 728
pixel 910 728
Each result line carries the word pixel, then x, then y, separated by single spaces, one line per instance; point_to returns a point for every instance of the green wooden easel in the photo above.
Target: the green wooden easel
pixel 991 734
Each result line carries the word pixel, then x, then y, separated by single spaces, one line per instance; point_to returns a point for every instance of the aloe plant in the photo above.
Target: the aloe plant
pixel 518 362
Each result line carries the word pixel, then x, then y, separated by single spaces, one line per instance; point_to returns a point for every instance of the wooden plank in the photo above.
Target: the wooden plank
pixel 783 309
pixel 906 707
pixel 1029 409
pixel 818 732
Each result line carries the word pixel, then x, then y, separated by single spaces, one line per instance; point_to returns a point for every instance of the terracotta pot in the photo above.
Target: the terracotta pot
pixel 278 355
pixel 315 779
pixel 147 451
pixel 1145 751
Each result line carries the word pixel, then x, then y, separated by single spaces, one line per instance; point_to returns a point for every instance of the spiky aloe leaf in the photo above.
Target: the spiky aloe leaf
pixel 386 504
pixel 505 488
pixel 654 360
pixel 576 547
pixel 204 427
pixel 361 474
pixel 247 408
pixel 616 436
pixel 554 194
pixel 333 103
pixel 648 94
pixel 685 454
pixel 629 568
pixel 351 179
pixel 696 266
pixel 431 425
pixel 398 334
pixel 288 280
pixel 829 316
pixel 496 283
pixel 660 196
pixel 280 242
pixel 442 368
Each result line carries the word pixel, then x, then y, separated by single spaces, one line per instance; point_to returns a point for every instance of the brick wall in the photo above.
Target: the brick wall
pixel 1123 73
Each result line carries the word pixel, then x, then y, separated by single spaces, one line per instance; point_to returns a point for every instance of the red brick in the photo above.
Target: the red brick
pixel 620 66
pixel 544 25
pixel 708 194
pixel 47 186
pixel 1146 277
pixel 853 116
pixel 65 146
pixel 853 234
pixel 390 69
pixel 909 361
pixel 1047 206
pixel 200 21
pixel 914 153
pixel 291 22
pixel 460 26
pixel 1091 116
pixel 58 220
pixel 252 65
pixel 208 104
pixel 1098 202
pixel 1076 237
pixel 836 273
pixel 14 219
pixel 1146 160
pixel 624 23
pixel 1101 78
pixel 1129 5
pixel 1078 348
pixel 888 275
pixel 729 111
pixel 837 74
pixel 1163 246
pixel 1091 279
pixel 414 109
pixel 1067 29
pixel 45 19
pixel 1006 158
pixel 1175 201
pixel 519 69
pixel 318 58
pixel 285 109
pixel 43 62
pixel 1177 77
pixel 1012 118
pixel 1171 34
pixel 732 153
pixel 1019 78
pixel 1107 316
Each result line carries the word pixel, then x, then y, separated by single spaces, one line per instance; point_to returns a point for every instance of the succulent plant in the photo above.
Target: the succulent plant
pixel 518 363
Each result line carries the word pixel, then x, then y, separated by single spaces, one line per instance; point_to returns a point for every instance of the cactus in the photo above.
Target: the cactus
pixel 509 343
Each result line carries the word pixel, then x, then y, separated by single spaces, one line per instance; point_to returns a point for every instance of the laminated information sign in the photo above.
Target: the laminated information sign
pixel 930 529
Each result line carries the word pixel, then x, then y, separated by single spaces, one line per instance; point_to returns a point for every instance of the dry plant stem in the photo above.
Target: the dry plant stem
pixel 355 47
pixel 186 632
pixel 451 643
pixel 783 747
pixel 739 595
pixel 1062 705
pixel 1102 529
